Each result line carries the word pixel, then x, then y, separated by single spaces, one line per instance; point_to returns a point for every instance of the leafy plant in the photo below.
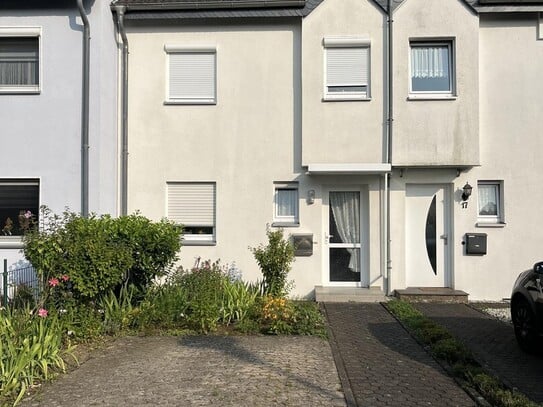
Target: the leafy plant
pixel 30 350
pixel 118 309
pixel 275 261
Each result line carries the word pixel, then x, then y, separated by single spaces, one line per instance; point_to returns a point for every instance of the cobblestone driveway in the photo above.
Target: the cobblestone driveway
pixel 202 371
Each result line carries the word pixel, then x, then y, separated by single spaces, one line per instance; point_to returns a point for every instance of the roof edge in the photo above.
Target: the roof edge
pixel 210 5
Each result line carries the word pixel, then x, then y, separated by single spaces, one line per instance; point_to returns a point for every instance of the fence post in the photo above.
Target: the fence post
pixel 5 283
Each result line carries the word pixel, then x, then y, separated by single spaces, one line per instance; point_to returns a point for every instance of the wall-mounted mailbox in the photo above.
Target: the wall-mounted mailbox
pixel 475 243
pixel 303 244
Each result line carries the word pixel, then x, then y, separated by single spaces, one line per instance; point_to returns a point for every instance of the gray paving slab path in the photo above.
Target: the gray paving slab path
pixel 201 371
pixel 493 343
pixel 385 366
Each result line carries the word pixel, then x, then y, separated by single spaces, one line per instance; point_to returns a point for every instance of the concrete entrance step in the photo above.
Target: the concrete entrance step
pixel 348 294
pixel 432 294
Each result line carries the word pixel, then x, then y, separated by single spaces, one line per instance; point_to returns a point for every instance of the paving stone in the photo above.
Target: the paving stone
pixel 202 371
pixel 493 343
pixel 398 372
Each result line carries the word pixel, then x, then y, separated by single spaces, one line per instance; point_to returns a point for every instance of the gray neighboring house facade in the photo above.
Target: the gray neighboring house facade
pixel 49 154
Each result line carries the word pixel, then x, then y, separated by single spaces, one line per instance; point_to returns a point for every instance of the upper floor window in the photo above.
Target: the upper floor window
pixel 192 75
pixel 19 205
pixel 19 60
pixel 432 68
pixel 286 204
pixel 192 204
pixel 490 199
pixel 347 64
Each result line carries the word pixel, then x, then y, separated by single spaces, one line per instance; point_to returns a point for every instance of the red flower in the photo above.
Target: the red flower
pixel 42 312
pixel 53 282
pixel 65 277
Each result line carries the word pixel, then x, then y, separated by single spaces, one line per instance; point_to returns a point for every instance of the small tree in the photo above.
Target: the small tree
pixel 275 260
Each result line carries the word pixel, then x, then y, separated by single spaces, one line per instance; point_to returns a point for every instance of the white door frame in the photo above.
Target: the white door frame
pixel 364 274
pixel 444 238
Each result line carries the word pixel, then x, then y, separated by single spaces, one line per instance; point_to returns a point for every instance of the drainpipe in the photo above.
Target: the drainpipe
pixel 388 149
pixel 85 113
pixel 120 11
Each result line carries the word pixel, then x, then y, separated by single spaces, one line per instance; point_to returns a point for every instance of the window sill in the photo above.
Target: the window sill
pixel 190 102
pixel 346 99
pixel 431 97
pixel 490 225
pixel 11 242
pixel 285 224
pixel 19 91
pixel 198 243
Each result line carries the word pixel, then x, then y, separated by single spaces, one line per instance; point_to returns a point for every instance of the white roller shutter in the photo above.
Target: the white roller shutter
pixel 192 204
pixel 347 66
pixel 192 76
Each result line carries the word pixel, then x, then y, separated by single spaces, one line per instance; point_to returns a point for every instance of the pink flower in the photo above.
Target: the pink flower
pixel 65 277
pixel 42 312
pixel 53 282
pixel 28 214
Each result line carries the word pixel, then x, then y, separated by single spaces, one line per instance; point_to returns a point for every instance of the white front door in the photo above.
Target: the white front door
pixel 343 259
pixel 427 236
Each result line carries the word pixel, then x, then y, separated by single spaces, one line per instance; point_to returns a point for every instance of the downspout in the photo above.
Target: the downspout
pixel 120 11
pixel 388 150
pixel 85 113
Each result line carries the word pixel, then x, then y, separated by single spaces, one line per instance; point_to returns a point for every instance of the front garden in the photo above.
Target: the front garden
pixel 105 276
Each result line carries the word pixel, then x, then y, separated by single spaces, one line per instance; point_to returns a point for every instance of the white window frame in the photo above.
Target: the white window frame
pixel 205 239
pixel 440 94
pixel 24 32
pixel 286 221
pixel 347 43
pixel 497 219
pixel 15 241
pixel 209 99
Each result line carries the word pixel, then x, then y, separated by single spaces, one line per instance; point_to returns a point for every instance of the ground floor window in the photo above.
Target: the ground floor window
pixel 19 205
pixel 490 200
pixel 192 205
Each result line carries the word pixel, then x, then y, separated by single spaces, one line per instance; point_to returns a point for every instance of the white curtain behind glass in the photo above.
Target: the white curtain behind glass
pixel 429 62
pixel 488 200
pixel 18 61
pixel 346 211
pixel 286 202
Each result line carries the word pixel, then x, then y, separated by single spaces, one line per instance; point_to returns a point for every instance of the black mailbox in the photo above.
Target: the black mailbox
pixel 303 244
pixel 475 243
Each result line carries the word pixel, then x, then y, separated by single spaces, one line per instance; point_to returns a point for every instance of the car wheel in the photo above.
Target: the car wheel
pixel 524 323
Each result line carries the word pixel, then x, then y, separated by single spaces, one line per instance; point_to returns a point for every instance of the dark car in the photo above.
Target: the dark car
pixel 527 307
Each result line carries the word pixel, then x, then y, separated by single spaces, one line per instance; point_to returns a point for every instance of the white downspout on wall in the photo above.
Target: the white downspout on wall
pixel 85 112
pixel 120 11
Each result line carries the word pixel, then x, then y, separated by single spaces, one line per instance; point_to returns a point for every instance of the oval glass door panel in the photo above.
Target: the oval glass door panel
pixel 431 235
pixel 344 236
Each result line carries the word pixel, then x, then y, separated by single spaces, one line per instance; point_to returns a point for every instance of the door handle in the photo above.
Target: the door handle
pixel 445 238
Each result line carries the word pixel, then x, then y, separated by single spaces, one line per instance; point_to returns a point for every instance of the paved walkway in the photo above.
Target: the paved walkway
pixel 384 364
pixel 202 371
pixel 493 344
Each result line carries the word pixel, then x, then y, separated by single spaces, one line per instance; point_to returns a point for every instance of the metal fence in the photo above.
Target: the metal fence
pixel 20 283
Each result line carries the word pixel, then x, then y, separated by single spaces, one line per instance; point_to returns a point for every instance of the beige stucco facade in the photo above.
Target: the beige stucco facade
pixel 270 123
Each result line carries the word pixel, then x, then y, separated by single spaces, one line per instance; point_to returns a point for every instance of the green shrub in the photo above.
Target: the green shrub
pixel 153 246
pixel 238 300
pixel 164 307
pixel 275 261
pixel 82 249
pixel 97 253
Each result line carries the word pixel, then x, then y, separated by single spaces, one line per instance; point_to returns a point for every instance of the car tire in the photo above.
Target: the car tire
pixel 525 324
